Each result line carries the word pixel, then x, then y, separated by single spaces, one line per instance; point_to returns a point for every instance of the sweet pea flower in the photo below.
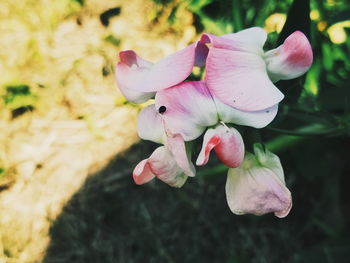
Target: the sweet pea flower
pixel 241 74
pixel 257 186
pixel 189 108
pixel 139 79
pixel 169 163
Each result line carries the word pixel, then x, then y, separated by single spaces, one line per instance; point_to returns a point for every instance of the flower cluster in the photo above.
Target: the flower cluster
pixel 238 89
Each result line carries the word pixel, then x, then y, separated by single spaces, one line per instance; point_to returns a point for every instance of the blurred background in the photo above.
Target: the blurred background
pixel 68 141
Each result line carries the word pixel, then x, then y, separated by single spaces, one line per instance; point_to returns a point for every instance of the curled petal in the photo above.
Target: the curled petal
pixel 150 125
pixel 143 173
pixel 256 189
pixel 128 72
pixel 249 40
pixel 291 59
pixel 137 75
pixel 227 143
pixel 187 109
pixel 177 147
pixel 161 164
pixel 240 80
pixel 256 119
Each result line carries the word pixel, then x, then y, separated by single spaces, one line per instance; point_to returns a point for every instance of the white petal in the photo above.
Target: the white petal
pixel 256 119
pixel 248 40
pixel 150 125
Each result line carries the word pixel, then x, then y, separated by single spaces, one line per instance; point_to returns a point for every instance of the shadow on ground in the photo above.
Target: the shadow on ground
pixel 112 220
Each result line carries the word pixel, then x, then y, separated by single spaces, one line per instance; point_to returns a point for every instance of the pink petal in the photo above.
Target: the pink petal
pixel 128 72
pixel 161 164
pixel 168 163
pixel 165 167
pixel 209 143
pixel 150 125
pixel 143 173
pixel 240 80
pixel 257 186
pixel 227 143
pixel 177 147
pixel 249 40
pixel 187 109
pixel 291 59
pixel 256 119
pixel 135 75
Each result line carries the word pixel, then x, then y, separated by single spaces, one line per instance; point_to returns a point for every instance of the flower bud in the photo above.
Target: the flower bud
pixel 257 186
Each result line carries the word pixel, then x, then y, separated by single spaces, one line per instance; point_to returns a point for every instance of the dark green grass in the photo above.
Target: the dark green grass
pixel 112 220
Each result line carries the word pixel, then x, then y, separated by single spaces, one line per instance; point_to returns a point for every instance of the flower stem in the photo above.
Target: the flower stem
pixel 237 18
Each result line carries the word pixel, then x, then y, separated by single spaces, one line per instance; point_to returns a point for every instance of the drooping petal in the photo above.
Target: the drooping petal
pixel 227 143
pixel 160 164
pixel 291 59
pixel 240 80
pixel 143 173
pixel 146 77
pixel 164 165
pixel 258 188
pixel 249 40
pixel 256 119
pixel 150 125
pixel 187 109
pixel 176 145
pixel 128 72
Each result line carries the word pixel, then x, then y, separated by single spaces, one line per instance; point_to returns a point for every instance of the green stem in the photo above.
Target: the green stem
pixel 237 18
pixel 304 133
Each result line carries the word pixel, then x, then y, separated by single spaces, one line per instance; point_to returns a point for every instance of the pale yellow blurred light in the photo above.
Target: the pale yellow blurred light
pixel 315 15
pixel 337 33
pixel 275 22
pixel 147 103
pixel 196 70
pixel 322 25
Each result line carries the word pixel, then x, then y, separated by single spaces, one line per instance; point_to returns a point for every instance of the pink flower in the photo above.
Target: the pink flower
pixel 238 89
pixel 241 75
pixel 257 186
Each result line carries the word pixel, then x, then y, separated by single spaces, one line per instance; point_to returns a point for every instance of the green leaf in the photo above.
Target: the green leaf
pixel 298 18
